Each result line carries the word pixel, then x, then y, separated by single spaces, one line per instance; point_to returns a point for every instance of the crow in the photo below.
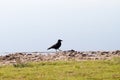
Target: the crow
pixel 56 46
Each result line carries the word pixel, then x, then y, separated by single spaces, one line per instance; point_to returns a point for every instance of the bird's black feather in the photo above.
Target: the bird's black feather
pixel 56 46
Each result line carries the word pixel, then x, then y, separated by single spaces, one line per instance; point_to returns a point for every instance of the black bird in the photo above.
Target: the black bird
pixel 56 46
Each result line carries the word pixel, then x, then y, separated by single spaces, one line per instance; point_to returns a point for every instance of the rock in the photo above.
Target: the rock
pixel 62 55
pixel 117 52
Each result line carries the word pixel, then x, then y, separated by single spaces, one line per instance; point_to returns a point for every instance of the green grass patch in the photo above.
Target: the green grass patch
pixel 63 70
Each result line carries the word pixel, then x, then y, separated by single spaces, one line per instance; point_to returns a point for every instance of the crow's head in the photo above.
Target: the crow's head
pixel 59 40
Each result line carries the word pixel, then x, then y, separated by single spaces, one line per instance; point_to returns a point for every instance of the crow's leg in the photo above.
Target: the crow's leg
pixel 56 50
pixel 59 49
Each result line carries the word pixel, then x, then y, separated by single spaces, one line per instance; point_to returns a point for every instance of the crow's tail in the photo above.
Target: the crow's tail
pixel 48 48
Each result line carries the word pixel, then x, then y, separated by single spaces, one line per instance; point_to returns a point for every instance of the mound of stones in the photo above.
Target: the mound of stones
pixel 23 57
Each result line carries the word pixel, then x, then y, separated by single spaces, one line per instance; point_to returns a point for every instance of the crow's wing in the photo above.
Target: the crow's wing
pixel 53 46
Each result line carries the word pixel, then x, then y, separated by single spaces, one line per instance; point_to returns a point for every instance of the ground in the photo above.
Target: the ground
pixel 63 70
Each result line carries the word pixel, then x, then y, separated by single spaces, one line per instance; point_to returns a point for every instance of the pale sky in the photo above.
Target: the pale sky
pixel 83 25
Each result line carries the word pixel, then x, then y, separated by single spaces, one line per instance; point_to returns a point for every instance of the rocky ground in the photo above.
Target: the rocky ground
pixel 23 57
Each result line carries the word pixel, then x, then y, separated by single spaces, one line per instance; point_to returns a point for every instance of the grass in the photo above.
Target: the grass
pixel 63 70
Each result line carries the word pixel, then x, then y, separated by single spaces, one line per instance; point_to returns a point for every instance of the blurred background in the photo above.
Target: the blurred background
pixel 83 25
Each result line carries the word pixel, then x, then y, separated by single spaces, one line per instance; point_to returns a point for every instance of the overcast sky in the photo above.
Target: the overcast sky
pixel 34 25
